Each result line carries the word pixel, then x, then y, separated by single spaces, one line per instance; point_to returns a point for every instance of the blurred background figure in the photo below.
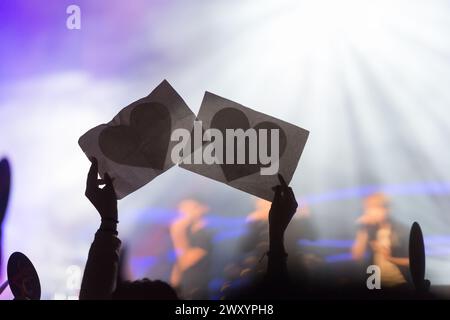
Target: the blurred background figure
pixel 192 244
pixel 302 261
pixel 251 263
pixel 255 242
pixel 385 240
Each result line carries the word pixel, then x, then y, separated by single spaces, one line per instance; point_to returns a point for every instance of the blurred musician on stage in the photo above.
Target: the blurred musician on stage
pixel 192 243
pixel 384 240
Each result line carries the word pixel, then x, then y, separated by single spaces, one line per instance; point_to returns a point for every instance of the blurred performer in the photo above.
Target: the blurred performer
pixel 385 240
pixel 192 243
pixel 253 246
pixel 255 243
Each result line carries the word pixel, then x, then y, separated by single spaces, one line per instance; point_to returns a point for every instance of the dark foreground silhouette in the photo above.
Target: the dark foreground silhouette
pixel 102 267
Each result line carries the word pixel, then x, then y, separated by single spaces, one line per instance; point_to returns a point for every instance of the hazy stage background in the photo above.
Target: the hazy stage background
pixel 369 79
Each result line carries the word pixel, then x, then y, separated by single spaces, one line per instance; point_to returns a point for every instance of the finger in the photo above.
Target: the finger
pixel 282 181
pixel 92 174
pixel 107 179
pixel 101 182
pixel 291 197
pixel 109 187
pixel 277 196
pixel 284 186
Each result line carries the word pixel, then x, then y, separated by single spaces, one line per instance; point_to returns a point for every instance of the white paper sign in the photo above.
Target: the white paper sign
pixel 135 147
pixel 222 114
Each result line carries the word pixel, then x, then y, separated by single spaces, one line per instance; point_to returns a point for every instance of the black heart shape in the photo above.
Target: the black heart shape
pixel 144 142
pixel 230 118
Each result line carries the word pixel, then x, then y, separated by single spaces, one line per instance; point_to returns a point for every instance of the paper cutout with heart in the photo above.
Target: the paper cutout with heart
pixel 134 148
pixel 219 113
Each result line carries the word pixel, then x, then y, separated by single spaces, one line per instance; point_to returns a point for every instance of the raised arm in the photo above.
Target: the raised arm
pixel 281 212
pixel 100 274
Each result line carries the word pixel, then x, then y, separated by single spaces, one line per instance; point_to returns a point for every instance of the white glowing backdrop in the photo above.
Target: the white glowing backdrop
pixel 369 79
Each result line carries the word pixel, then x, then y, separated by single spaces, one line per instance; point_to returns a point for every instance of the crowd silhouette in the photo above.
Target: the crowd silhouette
pixel 100 280
pixel 379 236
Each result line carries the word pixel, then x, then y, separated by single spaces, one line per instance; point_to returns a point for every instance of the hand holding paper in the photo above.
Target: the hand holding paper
pixel 135 146
pixel 228 142
pixel 249 147
pixel 103 199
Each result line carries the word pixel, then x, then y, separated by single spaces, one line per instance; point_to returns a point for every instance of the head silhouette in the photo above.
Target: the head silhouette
pixel 144 289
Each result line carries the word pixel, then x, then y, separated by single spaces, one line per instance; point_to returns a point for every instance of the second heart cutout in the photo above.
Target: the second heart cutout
pixel 230 118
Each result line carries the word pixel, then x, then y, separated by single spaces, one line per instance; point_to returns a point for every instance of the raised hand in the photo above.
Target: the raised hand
pixel 281 212
pixel 104 199
pixel 283 208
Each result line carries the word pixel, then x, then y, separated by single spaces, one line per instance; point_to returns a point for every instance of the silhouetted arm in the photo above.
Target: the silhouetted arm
pixel 281 212
pixel 100 274
pixel 277 258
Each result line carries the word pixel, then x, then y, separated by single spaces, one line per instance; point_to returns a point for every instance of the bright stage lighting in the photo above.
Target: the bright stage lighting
pixel 369 79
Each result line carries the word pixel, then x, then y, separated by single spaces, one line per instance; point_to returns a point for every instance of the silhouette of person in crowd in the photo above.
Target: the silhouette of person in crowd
pixel 384 239
pixel 101 271
pixel 100 278
pixel 379 234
